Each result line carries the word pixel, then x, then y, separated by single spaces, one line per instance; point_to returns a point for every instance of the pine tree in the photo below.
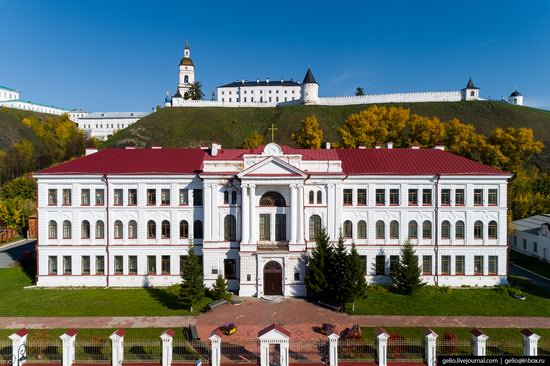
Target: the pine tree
pixel 219 290
pixel 356 282
pixel 192 286
pixel 359 91
pixel 194 92
pixel 339 273
pixel 407 275
pixel 310 135
pixel 316 278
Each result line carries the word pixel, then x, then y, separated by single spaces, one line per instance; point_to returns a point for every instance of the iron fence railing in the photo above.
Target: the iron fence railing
pixel 356 349
pixel 142 350
pixel 5 349
pixel 504 347
pixel 454 347
pixel 405 350
pixel 308 351
pixel 97 350
pixel 544 347
pixel 44 350
pixel 190 351
pixel 241 351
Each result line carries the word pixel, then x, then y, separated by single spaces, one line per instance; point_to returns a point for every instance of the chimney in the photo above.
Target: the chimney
pixel 214 149
pixel 439 146
pixel 376 147
pixel 364 147
pixel 389 145
pixel 90 150
pixel 415 146
pixel 130 147
pixel 327 145
pixel 156 147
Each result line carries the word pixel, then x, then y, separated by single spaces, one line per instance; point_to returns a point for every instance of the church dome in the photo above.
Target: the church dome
pixel 186 61
pixel 515 94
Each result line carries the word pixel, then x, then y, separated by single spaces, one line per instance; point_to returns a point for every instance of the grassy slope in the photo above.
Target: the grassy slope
pixel 13 130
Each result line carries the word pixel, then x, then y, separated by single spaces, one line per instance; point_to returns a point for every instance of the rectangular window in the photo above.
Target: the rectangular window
pixel 67 265
pixel 445 197
pixel 52 265
pixel 478 197
pixel 85 197
pixel 394 197
pixel 427 265
pixel 525 244
pixel 99 197
pixel 197 197
pixel 413 197
pixel 151 264
pixel 459 197
pixel 183 258
pixel 515 241
pixel 363 259
pixel 493 265
pixel 132 264
pixel 86 264
pixel 535 247
pixel 118 197
pixel 151 197
pixel 394 264
pixel 132 197
pixel 380 265
pixel 100 264
pixel 52 197
pixel 165 264
pixel 445 264
pixel 492 197
pixel 184 197
pixel 280 227
pixel 119 264
pixel 230 269
pixel 362 197
pixel 478 264
pixel 165 197
pixel 348 197
pixel 66 197
pixel 265 231
pixel 380 197
pixel 426 197
pixel 459 264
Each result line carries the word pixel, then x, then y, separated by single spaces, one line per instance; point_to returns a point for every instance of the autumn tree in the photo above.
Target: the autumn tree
pixel 517 145
pixel 310 135
pixel 253 140
pixel 23 187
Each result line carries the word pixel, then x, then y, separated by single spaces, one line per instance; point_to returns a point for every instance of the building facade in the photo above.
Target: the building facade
pixel 7 94
pixel 103 125
pixel 531 236
pixel 128 217
pixel 10 98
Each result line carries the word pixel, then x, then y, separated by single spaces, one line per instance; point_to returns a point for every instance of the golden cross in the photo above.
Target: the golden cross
pixel 272 129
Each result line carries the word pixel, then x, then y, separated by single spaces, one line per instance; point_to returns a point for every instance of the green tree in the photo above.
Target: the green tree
pixel 359 91
pixel 339 273
pixel 316 279
pixel 194 92
pixel 310 135
pixel 406 277
pixel 219 289
pixel 356 283
pixel 23 187
pixel 192 286
pixel 253 141
pixel 15 212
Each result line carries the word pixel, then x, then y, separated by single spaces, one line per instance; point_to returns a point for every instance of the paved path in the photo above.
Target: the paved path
pixel 11 253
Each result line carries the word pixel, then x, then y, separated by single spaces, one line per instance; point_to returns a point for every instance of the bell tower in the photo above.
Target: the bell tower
pixel 187 71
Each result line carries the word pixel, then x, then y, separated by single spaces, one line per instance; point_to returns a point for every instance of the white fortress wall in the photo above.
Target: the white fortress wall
pixel 446 96
pixel 180 102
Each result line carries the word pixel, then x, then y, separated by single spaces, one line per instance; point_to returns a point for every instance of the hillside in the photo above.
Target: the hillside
pixel 172 127
pixel 13 130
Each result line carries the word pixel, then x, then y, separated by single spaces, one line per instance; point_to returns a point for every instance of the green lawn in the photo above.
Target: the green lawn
pixel 461 333
pixel 131 333
pixel 18 301
pixel 531 263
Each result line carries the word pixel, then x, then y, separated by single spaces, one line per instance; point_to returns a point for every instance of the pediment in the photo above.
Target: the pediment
pixel 272 167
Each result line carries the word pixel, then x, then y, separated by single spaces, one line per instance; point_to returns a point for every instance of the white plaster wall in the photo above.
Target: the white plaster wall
pixel 26 106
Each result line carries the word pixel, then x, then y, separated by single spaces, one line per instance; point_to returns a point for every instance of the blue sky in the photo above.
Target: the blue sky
pixel 123 55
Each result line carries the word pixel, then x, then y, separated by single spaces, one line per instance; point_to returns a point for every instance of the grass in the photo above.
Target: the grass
pixel 460 333
pixel 104 333
pixel 18 301
pixel 531 263
pixel 14 131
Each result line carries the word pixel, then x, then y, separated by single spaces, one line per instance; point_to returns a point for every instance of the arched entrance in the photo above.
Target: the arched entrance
pixel 273 278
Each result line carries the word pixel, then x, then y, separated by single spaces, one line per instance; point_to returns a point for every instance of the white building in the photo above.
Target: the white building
pixel 7 94
pixel 10 98
pixel 102 125
pixel 126 217
pixel 515 98
pixel 531 236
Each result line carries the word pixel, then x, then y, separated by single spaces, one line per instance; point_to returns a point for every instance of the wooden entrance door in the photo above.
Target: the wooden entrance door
pixel 273 278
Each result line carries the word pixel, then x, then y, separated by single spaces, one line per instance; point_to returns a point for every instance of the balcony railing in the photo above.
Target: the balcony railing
pixel 273 245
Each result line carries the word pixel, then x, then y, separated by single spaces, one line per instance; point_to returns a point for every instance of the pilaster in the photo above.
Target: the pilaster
pixel 253 219
pixel 207 209
pixel 245 215
pixel 293 213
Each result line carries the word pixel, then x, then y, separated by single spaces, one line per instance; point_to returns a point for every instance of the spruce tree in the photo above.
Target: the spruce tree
pixel 316 278
pixel 407 275
pixel 356 282
pixel 339 273
pixel 219 290
pixel 192 286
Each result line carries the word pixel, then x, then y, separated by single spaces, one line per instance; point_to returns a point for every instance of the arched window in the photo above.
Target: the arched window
pixel 478 230
pixel 234 197
pixel 362 229
pixel 472 93
pixel 197 229
pixel 99 230
pixel 151 229
pixel 184 229
pixel 348 229
pixel 394 230
pixel 314 226
pixel 273 199
pixel 85 230
pixel 459 230
pixel 492 230
pixel 165 229
pixel 66 229
pixel 52 230
pixel 230 228
pixel 413 230
pixel 319 197
pixel 225 197
pixel 132 229
pixel 118 229
pixel 311 197
pixel 186 79
pixel 427 230
pixel 445 230
pixel 380 230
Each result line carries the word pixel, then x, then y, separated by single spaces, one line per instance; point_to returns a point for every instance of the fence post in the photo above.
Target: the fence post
pixel 215 340
pixel 333 348
pixel 382 346
pixel 479 342
pixel 167 337
pixel 117 338
pixel 69 353
pixel 430 353
pixel 19 347
pixel 530 343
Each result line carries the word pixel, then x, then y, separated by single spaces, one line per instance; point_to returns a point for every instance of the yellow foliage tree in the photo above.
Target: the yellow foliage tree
pixel 310 135
pixel 253 141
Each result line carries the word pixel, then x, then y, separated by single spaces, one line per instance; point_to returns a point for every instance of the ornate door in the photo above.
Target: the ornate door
pixel 273 278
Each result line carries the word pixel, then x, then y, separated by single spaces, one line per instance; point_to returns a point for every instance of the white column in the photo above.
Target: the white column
pixel 68 343
pixel 253 219
pixel 215 340
pixel 272 223
pixel 430 350
pixel 214 225
pixel 479 342
pixel 166 338
pixel 117 339
pixel 19 347
pixel 300 220
pixel 530 343
pixel 285 346
pixel 245 207
pixel 382 347
pixel 293 213
pixel 207 212
pixel 333 349
pixel 264 353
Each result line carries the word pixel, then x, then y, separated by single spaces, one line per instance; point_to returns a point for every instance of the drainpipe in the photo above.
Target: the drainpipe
pixel 436 219
pixel 36 242
pixel 107 226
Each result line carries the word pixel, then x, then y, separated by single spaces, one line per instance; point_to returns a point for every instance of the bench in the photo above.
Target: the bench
pixel 330 306
pixel 193 334
pixel 216 303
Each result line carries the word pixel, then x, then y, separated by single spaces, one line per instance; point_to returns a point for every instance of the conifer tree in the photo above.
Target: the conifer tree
pixel 339 273
pixel 356 283
pixel 219 290
pixel 310 135
pixel 406 278
pixel 316 279
pixel 192 286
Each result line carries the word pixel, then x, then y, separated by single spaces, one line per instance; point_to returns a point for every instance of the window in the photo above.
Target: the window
pixel 85 230
pixel 52 230
pixel 165 264
pixel 348 229
pixel 151 229
pixel 165 229
pixel 184 197
pixel 380 230
pixel 67 265
pixel 445 197
pixel 314 226
pixel 459 230
pixel 66 197
pixel 312 197
pixel 118 197
pixel 230 269
pixel 100 264
pixel 426 197
pixel 492 230
pixel 197 197
pixel 99 197
pixel 165 197
pixel 234 197
pixel 535 247
pixel 296 276
pixel 427 265
pixel 459 197
pixel 85 267
pixel 280 227
pixel 197 229
pixel 52 265
pixel 493 265
pixel 118 230
pixel 319 197
pixel 85 197
pixel 413 197
pixel 119 264
pixel 445 230
pixel 151 264
pixel 394 196
pixel 348 197
pixel 445 264
pixel 394 264
pixel 478 264
pixel 459 265
pixel 151 197
pixel 66 229
pixel 184 229
pixel 515 241
pixel 362 197
pixel 272 199
pixel 492 197
pixel 478 230
pixel 132 229
pixel 230 228
pixel 183 258
pixel 380 197
pixel 427 230
pixel 524 243
pixel 394 230
pixel 99 230
pixel 413 230
pixel 363 259
pixel 132 197
pixel 132 264
pixel 478 197
pixel 362 230
pixel 380 265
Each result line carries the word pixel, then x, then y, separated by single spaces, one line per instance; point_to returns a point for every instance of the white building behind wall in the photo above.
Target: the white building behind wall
pixel 127 217
pixel 10 98
pixel 102 125
pixel 531 236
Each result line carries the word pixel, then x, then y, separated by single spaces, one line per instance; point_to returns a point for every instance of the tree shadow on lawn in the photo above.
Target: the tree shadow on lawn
pixel 167 296
pixel 529 288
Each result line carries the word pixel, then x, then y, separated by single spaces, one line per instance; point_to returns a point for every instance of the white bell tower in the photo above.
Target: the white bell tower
pixel 187 71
